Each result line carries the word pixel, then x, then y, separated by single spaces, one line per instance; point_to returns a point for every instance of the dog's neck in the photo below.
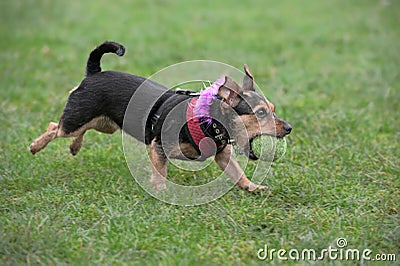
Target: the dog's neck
pixel 206 99
pixel 208 110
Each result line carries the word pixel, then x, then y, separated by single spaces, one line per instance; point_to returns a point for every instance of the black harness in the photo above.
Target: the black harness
pixel 207 138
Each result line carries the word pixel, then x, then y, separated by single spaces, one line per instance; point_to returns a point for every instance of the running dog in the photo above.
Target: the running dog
pixel 222 114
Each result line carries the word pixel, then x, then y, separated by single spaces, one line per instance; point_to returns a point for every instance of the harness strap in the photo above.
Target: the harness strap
pixel 205 145
pixel 207 139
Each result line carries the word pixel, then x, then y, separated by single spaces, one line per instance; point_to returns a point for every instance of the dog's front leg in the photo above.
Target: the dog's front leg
pixel 231 167
pixel 159 167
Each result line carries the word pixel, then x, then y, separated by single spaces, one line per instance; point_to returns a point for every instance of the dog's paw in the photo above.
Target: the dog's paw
pixel 33 149
pixel 158 184
pixel 253 188
pixel 74 149
pixel 160 187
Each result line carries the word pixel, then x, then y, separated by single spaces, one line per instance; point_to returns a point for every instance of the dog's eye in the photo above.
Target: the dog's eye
pixel 261 112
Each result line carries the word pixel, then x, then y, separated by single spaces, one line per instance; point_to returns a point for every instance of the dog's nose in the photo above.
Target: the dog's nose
pixel 287 128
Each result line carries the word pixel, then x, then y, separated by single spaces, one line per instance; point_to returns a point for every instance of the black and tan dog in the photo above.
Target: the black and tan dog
pixel 235 113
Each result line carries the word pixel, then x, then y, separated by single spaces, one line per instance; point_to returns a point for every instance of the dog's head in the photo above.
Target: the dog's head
pixel 250 111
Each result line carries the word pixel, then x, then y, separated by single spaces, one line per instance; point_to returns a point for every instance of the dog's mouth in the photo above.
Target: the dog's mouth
pixel 250 152
pixel 247 150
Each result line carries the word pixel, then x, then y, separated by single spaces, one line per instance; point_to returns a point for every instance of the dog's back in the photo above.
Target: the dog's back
pixel 101 94
pixel 107 94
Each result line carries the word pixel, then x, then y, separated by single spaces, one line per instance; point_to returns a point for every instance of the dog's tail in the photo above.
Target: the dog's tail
pixel 93 63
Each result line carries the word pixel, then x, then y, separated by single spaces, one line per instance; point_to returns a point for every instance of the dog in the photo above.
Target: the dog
pixel 212 120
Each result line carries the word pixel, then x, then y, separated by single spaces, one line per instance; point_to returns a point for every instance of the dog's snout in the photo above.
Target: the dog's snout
pixel 283 128
pixel 288 128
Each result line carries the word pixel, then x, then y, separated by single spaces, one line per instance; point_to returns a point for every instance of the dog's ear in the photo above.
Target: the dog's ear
pixel 248 80
pixel 272 106
pixel 229 92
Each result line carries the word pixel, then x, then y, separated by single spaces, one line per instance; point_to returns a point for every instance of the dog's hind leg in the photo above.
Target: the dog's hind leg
pixel 76 144
pixel 41 142
pixel 102 124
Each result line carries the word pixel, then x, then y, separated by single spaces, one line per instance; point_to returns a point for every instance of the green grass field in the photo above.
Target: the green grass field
pixel 330 67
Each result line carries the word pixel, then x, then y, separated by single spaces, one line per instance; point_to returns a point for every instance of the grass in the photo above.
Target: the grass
pixel 330 67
